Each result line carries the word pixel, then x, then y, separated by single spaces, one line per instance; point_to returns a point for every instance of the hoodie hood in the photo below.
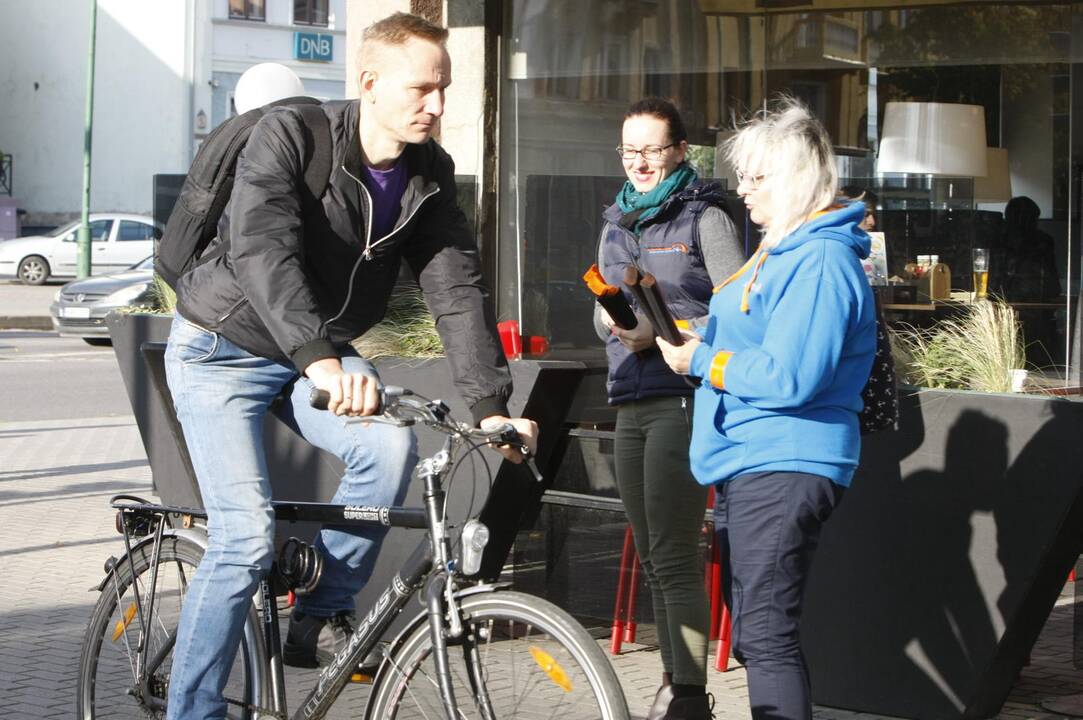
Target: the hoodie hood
pixel 839 224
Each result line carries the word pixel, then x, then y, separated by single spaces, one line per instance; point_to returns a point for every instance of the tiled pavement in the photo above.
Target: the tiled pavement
pixel 56 530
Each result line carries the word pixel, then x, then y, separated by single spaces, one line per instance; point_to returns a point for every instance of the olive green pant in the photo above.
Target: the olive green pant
pixel 666 508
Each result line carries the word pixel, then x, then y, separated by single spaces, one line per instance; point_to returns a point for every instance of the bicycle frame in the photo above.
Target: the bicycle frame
pixel 429 569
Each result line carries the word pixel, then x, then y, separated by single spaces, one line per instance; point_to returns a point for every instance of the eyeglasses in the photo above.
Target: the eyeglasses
pixel 651 152
pixel 754 181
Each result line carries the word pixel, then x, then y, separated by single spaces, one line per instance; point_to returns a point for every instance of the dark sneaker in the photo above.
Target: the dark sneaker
pixel 314 641
pixel 699 707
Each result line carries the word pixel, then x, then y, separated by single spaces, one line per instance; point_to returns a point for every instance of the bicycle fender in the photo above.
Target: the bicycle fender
pixel 193 536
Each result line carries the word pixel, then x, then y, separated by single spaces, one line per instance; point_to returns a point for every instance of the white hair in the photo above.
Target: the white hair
pixel 792 150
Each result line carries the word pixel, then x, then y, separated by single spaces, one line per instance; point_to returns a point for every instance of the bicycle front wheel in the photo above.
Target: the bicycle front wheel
pixel 116 680
pixel 519 657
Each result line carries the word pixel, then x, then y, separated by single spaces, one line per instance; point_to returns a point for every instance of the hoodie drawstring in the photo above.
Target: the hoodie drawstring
pixel 755 262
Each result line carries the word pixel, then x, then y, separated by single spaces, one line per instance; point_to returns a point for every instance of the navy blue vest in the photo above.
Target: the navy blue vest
pixel 668 247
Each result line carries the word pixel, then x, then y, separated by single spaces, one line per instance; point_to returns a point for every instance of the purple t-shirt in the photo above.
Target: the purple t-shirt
pixel 386 188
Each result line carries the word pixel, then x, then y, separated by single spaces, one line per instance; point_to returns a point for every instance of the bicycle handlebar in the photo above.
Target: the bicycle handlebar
pixel 394 405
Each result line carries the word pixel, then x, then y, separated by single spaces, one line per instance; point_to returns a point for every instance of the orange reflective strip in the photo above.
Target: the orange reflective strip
pixel 718 369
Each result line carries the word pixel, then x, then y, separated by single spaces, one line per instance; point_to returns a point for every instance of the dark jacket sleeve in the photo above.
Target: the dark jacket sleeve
pixel 266 240
pixel 443 255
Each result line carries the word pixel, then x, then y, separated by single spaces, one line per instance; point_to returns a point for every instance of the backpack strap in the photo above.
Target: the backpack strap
pixel 319 149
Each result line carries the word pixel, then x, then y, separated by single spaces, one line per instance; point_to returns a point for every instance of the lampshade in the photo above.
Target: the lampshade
pixel 996 186
pixel 933 139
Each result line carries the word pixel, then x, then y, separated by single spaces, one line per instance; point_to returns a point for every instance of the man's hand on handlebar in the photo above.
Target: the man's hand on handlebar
pixel 354 394
pixel 528 432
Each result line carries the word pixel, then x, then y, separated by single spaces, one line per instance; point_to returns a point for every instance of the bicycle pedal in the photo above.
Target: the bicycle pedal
pixel 361 678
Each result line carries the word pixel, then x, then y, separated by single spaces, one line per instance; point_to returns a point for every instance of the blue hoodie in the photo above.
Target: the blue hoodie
pixel 786 352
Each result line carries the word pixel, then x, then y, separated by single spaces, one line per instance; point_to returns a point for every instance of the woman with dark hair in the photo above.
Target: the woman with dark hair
pixel 783 358
pixel 667 222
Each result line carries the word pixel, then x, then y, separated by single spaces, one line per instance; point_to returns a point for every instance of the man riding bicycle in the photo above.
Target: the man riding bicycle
pixel 272 315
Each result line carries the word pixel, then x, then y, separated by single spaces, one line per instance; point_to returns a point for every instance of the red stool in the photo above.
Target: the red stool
pixel 623 628
pixel 625 594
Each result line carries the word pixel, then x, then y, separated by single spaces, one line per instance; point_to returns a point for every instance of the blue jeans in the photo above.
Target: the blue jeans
pixel 768 526
pixel 221 394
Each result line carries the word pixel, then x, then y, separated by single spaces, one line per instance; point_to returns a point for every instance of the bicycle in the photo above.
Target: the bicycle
pixel 478 650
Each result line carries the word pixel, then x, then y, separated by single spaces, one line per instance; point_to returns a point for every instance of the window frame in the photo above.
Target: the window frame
pixel 311 7
pixel 147 228
pixel 250 11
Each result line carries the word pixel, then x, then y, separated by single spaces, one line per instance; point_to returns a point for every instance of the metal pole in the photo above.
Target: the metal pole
pixel 83 239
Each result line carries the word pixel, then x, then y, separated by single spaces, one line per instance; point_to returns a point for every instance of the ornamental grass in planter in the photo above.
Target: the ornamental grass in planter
pixel 407 330
pixel 982 349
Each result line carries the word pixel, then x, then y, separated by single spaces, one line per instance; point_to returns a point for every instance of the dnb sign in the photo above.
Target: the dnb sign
pixel 317 47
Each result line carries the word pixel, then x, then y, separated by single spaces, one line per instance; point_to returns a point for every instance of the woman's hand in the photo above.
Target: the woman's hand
pixel 679 357
pixel 639 337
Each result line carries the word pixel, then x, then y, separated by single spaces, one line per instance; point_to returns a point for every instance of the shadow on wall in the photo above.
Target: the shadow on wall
pixel 946 556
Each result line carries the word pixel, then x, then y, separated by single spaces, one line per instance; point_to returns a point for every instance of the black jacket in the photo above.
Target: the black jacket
pixel 291 279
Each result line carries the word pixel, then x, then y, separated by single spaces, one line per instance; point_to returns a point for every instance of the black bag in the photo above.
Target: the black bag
pixel 193 223
pixel 880 394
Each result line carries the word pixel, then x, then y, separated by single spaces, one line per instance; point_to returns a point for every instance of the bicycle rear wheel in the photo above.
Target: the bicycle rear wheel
pixel 109 667
pixel 519 657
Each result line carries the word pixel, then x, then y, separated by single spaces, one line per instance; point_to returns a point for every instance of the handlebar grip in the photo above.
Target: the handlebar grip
pixel 319 399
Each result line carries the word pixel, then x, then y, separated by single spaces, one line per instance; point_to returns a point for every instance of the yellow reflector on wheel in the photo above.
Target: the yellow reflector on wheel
pixel 122 625
pixel 551 668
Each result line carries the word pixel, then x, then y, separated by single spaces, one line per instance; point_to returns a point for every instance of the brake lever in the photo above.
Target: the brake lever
pixel 510 436
pixel 528 459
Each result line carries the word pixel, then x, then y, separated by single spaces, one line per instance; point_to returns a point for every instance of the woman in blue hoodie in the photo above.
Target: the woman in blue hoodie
pixel 783 358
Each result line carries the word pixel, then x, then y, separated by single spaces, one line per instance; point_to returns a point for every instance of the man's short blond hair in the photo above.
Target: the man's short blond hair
pixel 395 30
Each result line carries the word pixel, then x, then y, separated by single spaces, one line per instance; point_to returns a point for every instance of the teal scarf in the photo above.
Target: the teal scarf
pixel 640 207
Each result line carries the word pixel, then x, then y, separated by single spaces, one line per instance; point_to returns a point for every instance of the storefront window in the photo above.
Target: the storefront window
pixel 565 93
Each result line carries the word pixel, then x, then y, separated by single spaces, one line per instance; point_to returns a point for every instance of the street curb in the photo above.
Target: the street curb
pixel 25 322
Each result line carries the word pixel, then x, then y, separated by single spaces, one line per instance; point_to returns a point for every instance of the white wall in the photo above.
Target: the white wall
pixel 140 122
pixel 462 127
pixel 153 70
pixel 461 131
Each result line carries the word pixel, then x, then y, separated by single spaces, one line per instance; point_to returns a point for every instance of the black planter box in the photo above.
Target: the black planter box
pixel 940 567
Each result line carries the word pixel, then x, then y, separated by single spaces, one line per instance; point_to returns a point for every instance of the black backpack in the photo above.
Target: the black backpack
pixel 193 223
pixel 880 395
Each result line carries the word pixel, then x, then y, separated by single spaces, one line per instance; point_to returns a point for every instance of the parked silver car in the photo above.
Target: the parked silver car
pixel 80 307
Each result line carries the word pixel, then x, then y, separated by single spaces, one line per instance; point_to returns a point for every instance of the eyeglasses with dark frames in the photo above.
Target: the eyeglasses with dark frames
pixel 651 152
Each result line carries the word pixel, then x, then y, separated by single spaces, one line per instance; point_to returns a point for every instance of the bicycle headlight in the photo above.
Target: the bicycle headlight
pixel 474 539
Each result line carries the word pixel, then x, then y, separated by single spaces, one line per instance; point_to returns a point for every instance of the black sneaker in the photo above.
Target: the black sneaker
pixel 696 707
pixel 314 641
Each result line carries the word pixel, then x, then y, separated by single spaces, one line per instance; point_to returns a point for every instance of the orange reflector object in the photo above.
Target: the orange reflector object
pixel 122 625
pixel 551 668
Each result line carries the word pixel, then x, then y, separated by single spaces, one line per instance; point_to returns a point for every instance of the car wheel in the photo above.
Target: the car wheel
pixel 34 270
pixel 98 342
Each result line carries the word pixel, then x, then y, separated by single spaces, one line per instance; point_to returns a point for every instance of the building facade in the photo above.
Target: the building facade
pixel 164 77
pixel 568 70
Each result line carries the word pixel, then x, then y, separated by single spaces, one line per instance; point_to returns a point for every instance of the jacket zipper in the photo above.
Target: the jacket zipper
pixel 232 310
pixel 367 253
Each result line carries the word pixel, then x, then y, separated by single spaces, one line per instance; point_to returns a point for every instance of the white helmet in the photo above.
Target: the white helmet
pixel 265 83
